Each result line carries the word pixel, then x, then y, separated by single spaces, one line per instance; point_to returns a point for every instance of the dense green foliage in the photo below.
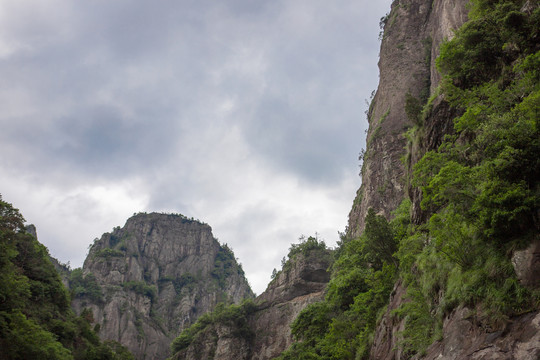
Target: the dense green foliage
pixel 84 286
pixel 225 265
pixel 480 190
pixel 109 253
pixel 481 185
pixel 363 276
pixel 36 321
pixel 141 288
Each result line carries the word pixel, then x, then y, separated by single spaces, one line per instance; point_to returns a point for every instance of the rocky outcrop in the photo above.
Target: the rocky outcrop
pixel 464 336
pixel 527 265
pixel 217 342
pixel 413 32
pixel 157 275
pixel 31 229
pixel 464 339
pixel 289 293
pixel 300 283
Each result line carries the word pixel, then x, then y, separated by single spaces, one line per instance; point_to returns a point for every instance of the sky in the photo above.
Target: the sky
pixel 247 115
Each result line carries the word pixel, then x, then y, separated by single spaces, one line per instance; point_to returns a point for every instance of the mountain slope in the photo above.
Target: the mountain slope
pixel 154 277
pixel 36 321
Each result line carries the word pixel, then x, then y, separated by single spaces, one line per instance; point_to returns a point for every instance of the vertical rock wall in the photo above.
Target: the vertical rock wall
pixel 413 32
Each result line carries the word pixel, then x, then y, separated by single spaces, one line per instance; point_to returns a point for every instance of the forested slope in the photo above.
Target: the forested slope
pixel 36 320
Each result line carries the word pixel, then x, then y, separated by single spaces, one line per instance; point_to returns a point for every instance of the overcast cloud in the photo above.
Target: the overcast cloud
pixel 248 115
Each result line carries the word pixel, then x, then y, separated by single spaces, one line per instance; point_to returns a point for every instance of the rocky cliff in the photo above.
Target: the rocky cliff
pixel 265 332
pixel 413 31
pixel 150 279
pixel 293 289
pixel 456 278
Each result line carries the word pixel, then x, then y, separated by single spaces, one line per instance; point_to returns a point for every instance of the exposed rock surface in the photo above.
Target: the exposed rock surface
pixel 527 264
pixel 463 336
pixel 413 31
pixel 386 337
pixel 300 284
pixel 463 339
pixel 217 342
pixel 158 274
pixel 290 292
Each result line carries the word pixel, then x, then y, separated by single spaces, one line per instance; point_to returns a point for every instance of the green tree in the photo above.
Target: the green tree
pixel 36 321
pixel 380 244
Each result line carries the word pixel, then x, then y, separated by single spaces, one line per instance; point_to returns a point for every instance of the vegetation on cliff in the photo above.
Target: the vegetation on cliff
pixel 308 247
pixel 481 185
pixel 363 276
pixel 36 321
pixel 237 319
pixel 232 316
pixel 81 286
pixel 480 192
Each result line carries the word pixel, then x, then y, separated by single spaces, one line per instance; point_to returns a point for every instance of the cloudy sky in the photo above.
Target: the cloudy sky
pixel 248 115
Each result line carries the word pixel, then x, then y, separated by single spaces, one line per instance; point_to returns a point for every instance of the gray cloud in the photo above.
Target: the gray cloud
pixel 245 114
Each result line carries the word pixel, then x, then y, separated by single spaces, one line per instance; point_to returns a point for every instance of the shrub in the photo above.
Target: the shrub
pixel 233 316
pixel 141 288
pixel 109 253
pixel 84 286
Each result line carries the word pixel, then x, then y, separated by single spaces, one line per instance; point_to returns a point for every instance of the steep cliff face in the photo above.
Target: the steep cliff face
pixel 157 275
pixel 290 292
pixel 466 340
pixel 413 31
pixel 265 332
pixel 413 34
